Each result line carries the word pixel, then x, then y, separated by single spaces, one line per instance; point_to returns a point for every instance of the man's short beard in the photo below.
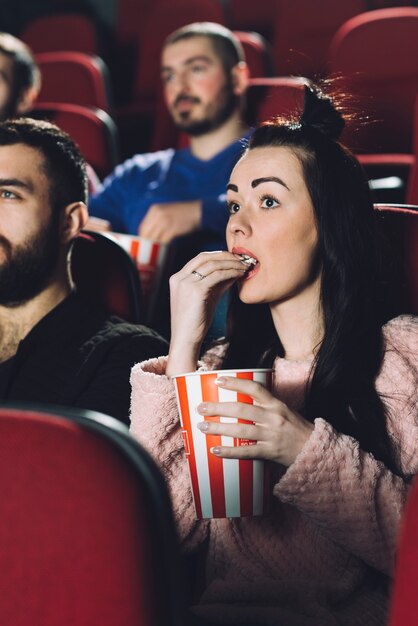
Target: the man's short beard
pixel 28 268
pixel 229 104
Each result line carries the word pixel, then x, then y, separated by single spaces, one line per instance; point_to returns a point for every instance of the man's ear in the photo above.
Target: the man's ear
pixel 240 77
pixel 26 100
pixel 75 218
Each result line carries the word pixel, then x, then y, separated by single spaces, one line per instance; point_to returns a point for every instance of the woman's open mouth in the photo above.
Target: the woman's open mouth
pixel 250 260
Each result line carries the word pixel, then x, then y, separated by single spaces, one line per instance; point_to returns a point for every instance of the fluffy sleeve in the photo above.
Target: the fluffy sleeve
pixel 353 497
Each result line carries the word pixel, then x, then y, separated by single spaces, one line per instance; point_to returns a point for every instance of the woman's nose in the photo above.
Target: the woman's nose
pixel 238 224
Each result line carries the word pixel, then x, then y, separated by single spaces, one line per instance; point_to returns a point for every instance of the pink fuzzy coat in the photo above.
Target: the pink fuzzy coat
pixel 334 520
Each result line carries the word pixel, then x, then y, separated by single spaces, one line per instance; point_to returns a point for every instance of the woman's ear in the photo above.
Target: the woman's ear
pixel 75 218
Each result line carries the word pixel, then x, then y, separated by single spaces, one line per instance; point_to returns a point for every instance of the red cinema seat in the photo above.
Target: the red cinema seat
pixel 399 227
pixel 257 53
pixel 248 15
pixel 92 129
pixel 74 77
pixel 303 31
pixel 268 97
pixel 105 275
pixel 87 535
pixel 412 190
pixel 376 54
pixel 403 607
pixel 63 31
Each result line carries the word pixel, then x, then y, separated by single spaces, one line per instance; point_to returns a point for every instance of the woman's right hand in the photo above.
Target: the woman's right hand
pixel 194 293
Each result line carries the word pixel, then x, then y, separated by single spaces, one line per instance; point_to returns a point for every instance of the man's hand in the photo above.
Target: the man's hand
pixel 164 222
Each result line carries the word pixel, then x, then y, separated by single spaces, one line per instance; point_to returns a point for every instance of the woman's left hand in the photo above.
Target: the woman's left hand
pixel 279 433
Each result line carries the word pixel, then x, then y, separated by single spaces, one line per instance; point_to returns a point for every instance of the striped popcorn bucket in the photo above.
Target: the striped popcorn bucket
pixel 150 258
pixel 220 487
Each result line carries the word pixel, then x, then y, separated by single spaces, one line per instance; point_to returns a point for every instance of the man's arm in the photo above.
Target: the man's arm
pixel 166 221
pixel 108 391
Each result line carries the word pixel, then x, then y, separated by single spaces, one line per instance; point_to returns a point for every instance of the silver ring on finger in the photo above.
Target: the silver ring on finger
pixel 198 274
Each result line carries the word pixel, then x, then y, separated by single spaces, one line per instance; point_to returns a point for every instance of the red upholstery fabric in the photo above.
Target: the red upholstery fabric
pixel 257 53
pixel 105 275
pixel 74 77
pixel 92 129
pixel 268 97
pixel 405 588
pixel 66 31
pixel 303 31
pixel 399 225
pixel 250 15
pixel 376 53
pixel 412 191
pixel 82 538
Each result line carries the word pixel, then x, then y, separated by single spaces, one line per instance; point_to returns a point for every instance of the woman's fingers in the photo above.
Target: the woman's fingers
pixel 252 451
pixel 276 433
pixel 248 431
pixel 212 265
pixel 238 410
pixel 260 394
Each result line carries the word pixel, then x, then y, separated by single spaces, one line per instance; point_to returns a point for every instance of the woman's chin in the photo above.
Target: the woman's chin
pixel 247 296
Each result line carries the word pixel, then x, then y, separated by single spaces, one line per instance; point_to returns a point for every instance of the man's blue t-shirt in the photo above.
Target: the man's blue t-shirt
pixel 170 176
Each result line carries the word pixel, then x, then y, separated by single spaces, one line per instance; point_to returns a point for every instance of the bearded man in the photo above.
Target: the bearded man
pixel 54 347
pixel 173 193
pixel 178 196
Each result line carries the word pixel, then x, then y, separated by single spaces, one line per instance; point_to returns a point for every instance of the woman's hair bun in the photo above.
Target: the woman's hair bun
pixel 320 114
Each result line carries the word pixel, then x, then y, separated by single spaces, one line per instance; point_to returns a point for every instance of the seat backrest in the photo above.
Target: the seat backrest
pixel 399 227
pixel 74 77
pixel 106 275
pixel 92 129
pixel 63 31
pixel 252 16
pixel 412 189
pixel 268 97
pixel 303 31
pixel 165 17
pixel 257 53
pixel 87 534
pixel 403 606
pixel 376 54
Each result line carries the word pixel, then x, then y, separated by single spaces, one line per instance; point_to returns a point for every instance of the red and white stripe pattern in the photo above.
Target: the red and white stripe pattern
pixel 221 487
pixel 149 256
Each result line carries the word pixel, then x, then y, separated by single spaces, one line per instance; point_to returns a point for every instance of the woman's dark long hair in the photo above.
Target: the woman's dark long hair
pixel 342 383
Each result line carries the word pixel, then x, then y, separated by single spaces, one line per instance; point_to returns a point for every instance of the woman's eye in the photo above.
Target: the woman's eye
pixel 233 207
pixel 196 69
pixel 269 203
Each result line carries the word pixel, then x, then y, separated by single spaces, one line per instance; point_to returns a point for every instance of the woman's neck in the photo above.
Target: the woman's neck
pixel 300 325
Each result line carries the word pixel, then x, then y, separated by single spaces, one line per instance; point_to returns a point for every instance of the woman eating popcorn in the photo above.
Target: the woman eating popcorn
pixel 340 427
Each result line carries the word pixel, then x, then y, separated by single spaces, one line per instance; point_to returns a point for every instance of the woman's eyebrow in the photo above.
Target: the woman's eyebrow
pixel 232 187
pixel 269 179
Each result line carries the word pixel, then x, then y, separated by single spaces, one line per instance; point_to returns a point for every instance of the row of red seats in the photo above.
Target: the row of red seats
pixel 383 77
pixel 129 571
pixel 302 32
pixel 97 134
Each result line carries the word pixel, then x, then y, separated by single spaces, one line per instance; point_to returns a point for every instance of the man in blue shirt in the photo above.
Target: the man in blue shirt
pixel 179 194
